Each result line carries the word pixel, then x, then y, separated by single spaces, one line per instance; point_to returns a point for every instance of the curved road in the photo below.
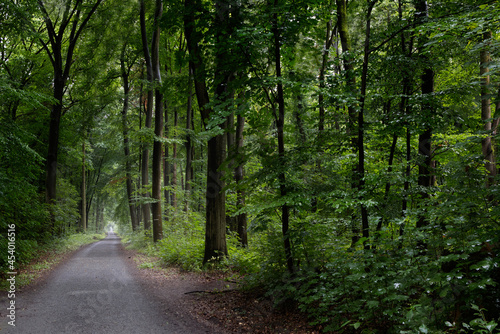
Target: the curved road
pixel 94 292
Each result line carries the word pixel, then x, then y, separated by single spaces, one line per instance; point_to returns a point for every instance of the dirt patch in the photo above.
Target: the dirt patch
pixel 216 302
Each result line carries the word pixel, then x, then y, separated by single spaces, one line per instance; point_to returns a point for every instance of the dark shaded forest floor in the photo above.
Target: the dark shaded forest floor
pixel 215 300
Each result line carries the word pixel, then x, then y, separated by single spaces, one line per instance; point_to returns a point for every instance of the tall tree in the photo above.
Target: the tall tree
pixel 241 219
pixel 215 231
pixel 353 115
pixel 83 217
pixel 64 23
pixel 157 146
pixel 361 126
pixel 188 145
pixel 425 177
pixel 487 145
pixel 146 208
pixel 174 165
pixel 280 125
pixel 125 73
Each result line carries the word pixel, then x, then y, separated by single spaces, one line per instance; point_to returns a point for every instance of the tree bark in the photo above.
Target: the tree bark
pixel 361 128
pixel 405 109
pixel 126 146
pixel 84 192
pixel 189 147
pixel 486 143
pixel 215 230
pixel 353 116
pixel 157 146
pixel 280 123
pixel 425 177
pixel 231 222
pixel 146 208
pixel 241 219
pixel 174 166
pixel 166 166
pixel 324 63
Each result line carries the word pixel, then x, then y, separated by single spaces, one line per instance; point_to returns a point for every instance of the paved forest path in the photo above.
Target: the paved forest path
pixel 96 291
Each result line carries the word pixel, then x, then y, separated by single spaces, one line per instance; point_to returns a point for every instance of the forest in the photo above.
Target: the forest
pixel 339 154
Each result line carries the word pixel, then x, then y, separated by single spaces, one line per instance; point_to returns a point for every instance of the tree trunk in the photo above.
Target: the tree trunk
pixel 231 222
pixel 405 109
pixel 51 163
pixel 157 146
pixel 215 231
pixel 353 116
pixel 241 219
pixel 280 123
pixel 126 146
pixel 361 128
pixel 487 146
pixel 189 148
pixel 84 192
pixel 146 208
pixel 174 166
pixel 321 104
pixel 166 166
pixel 425 177
pixel 324 63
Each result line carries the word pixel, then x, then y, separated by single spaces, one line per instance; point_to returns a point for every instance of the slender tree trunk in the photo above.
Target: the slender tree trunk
pixel 189 148
pixel 321 104
pixel 406 187
pixel 139 165
pixel 487 145
pixel 98 215
pixel 174 166
pixel 157 146
pixel 126 146
pixel 298 119
pixel 231 139
pixel 405 109
pixel 238 176
pixel 324 63
pixel 383 219
pixel 231 222
pixel 425 177
pixel 146 208
pixel 353 116
pixel 166 166
pixel 84 192
pixel 280 123
pixel 361 127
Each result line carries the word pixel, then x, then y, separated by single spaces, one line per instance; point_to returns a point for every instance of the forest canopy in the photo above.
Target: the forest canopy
pixel 340 154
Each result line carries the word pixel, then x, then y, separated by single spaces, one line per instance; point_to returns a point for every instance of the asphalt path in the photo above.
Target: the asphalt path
pixel 95 291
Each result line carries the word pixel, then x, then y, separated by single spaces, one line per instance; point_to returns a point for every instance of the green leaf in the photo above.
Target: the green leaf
pixel 423 329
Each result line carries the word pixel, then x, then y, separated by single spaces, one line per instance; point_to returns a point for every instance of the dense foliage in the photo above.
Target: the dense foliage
pixel 341 154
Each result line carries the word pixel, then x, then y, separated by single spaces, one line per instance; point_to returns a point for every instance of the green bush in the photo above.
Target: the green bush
pixel 183 242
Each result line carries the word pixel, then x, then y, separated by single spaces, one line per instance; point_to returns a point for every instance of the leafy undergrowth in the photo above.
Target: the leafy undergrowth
pixel 215 296
pixel 44 257
pixel 384 290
